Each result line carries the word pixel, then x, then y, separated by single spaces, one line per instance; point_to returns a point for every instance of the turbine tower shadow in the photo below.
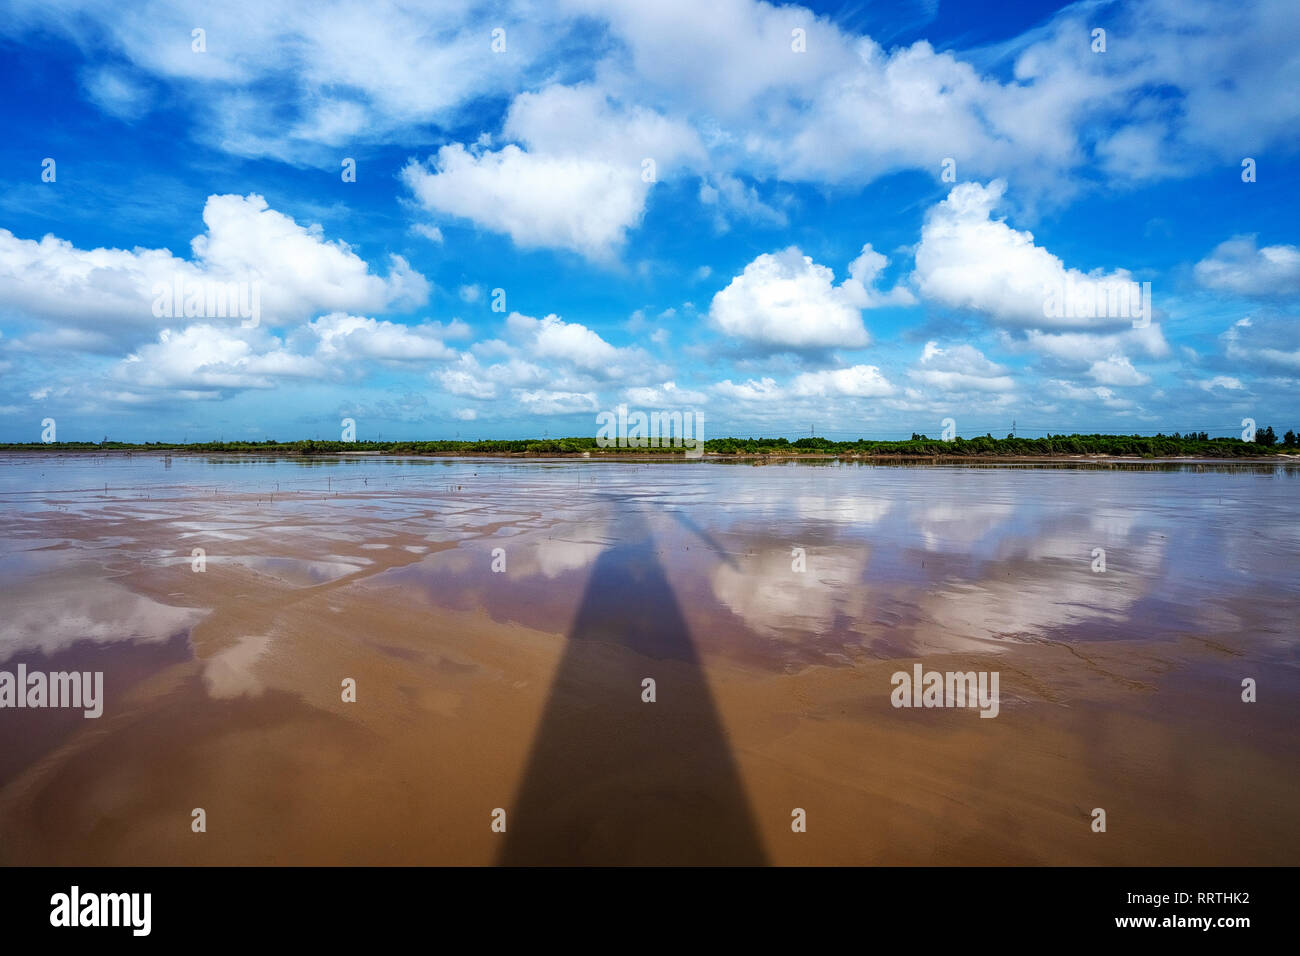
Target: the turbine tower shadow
pixel 615 780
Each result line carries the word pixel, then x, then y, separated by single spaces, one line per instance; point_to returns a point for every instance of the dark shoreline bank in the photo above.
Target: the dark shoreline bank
pixel 1278 458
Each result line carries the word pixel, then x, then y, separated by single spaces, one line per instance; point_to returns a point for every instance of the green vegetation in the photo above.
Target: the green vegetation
pixel 1199 445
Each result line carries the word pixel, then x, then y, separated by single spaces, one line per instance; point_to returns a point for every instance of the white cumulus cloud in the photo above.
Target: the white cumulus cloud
pixel 969 260
pixel 784 300
pixel 1239 266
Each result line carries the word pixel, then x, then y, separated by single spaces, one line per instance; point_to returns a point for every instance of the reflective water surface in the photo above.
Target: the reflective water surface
pixel 499 616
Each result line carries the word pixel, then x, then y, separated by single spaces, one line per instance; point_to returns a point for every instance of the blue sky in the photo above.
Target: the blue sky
pixel 845 217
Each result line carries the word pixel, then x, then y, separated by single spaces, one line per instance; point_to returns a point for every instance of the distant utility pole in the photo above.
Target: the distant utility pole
pixel 1013 428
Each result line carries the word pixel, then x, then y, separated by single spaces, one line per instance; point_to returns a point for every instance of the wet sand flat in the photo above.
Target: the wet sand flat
pixel 499 619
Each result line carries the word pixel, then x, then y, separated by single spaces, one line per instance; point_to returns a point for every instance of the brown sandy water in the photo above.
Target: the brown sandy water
pixel 522 689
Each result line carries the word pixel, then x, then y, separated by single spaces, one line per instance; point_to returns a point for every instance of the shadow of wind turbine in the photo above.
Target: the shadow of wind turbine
pixel 612 779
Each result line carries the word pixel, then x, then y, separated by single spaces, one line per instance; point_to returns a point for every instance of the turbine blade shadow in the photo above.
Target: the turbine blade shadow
pixel 713 544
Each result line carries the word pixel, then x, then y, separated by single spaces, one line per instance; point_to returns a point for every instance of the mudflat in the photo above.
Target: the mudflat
pixel 500 619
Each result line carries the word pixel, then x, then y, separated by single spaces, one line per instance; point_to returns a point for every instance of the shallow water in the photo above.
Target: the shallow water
pixel 727 574
pixel 977 556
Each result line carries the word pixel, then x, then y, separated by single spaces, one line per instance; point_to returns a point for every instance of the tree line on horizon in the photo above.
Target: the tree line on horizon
pixel 1192 444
